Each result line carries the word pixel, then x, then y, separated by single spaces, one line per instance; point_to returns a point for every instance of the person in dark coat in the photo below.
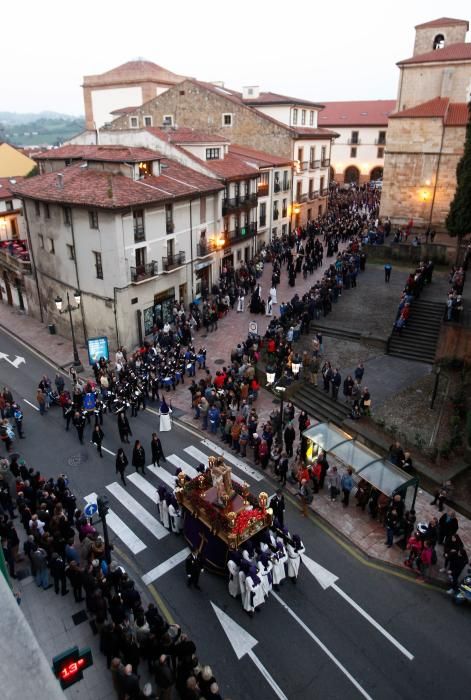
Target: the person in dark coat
pixel 277 504
pixel 157 450
pixel 74 574
pixel 139 457
pixel 97 438
pixel 447 525
pixel 289 436
pixel 121 464
pixel 193 567
pixel 124 427
pixel 58 574
pixel 79 423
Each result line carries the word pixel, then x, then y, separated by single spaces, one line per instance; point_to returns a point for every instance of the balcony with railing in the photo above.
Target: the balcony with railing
pixel 301 197
pixel 204 248
pixel 314 164
pixel 171 262
pixel 240 233
pixel 324 192
pixel 380 141
pixel 262 189
pixel 302 165
pixel 230 204
pixel 325 162
pixel 14 255
pixel 313 194
pixel 140 273
pixel 354 141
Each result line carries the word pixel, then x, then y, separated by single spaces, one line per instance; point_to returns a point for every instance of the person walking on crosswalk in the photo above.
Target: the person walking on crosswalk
pixel 157 450
pixel 121 464
pixel 139 457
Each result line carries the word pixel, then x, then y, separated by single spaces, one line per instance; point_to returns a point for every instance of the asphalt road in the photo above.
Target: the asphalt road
pixel 317 646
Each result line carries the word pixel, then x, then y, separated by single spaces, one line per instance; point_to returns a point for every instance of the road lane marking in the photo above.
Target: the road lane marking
pixel 109 451
pixel 165 566
pixel 233 460
pixel 120 529
pixel 322 646
pixel 31 404
pixel 140 513
pixel 162 474
pixel 181 464
pixel 203 458
pixel 143 485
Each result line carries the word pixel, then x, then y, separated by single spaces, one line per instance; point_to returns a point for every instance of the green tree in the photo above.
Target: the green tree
pixel 458 221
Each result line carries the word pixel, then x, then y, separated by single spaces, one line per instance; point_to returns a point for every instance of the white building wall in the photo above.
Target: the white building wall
pixel 105 101
pixel 284 114
pixel 367 151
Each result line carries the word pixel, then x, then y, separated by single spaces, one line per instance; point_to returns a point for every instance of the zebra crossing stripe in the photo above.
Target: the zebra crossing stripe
pixel 175 459
pixel 120 529
pixel 143 485
pixel 163 475
pixel 140 513
pixel 165 566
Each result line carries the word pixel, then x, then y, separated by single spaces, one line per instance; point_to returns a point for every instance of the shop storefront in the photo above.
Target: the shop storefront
pixel 202 279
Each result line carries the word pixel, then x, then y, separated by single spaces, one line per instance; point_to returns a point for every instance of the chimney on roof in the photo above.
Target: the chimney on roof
pixel 250 92
pixel 60 181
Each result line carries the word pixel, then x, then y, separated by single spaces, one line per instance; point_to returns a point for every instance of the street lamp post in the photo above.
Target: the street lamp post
pixel 69 308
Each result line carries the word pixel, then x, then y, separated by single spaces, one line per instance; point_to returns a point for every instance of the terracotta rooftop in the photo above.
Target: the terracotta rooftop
pixel 6 185
pixel 453 113
pixel 82 186
pixel 184 135
pixel 229 167
pixel 442 22
pixel 133 71
pixel 273 98
pixel 317 133
pixel 356 113
pixel 453 52
pixel 259 158
pixel 124 154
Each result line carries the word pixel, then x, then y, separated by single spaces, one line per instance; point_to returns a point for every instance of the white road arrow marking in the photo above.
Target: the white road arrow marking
pixel 242 642
pixel 16 362
pixel 322 646
pixel 327 579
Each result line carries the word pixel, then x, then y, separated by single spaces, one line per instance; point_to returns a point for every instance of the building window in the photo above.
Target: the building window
pixel 138 225
pixel 311 187
pixel 168 120
pixel 295 116
pixel 284 208
pixel 354 137
pixel 284 229
pixel 311 118
pixel 275 211
pixel 9 205
pixel 148 121
pixel 276 182
pixel 50 246
pixel 227 119
pixel 67 212
pixel 70 251
pixel 300 154
pixel 353 152
pixel 134 122
pixel 322 185
pixel 37 209
pixel 98 265
pixel 285 180
pixel 171 249
pixel 438 42
pixel 169 225
pixel 213 153
pixel 93 218
pixel 303 116
pixel 41 240
pixel 381 138
pixel 323 154
pixel 312 156
pixel 144 169
pixel 47 211
pixel 262 214
pixel 380 153
pixel 141 254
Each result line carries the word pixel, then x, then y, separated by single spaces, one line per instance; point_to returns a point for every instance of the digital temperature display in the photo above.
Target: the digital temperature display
pixel 68 667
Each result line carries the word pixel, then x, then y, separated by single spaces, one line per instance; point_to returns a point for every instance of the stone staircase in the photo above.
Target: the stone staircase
pixel 420 336
pixel 319 405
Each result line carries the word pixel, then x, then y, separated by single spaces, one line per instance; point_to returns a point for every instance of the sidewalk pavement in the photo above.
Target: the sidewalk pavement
pixel 354 525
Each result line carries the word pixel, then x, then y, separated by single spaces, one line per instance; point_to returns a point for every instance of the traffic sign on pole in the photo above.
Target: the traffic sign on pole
pixel 90 510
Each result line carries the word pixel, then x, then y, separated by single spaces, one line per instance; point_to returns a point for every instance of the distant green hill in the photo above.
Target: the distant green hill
pixel 42 130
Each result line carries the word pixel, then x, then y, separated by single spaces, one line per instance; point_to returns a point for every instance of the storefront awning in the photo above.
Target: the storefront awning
pixel 202 265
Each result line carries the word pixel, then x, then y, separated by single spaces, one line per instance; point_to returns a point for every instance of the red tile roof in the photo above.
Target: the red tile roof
pixel 273 98
pixel 356 113
pixel 231 167
pixel 453 52
pixel 124 154
pixel 133 71
pixel 433 108
pixel 84 186
pixel 259 158
pixel 124 110
pixel 184 135
pixel 442 22
pixel 458 114
pixel 318 133
pixel 6 185
pixel 453 113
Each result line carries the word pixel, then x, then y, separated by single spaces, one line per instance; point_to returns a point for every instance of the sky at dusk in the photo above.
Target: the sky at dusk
pixel 321 51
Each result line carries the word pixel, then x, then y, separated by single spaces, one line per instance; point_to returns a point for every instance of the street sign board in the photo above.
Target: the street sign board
pixel 97 347
pixel 68 667
pixel 90 510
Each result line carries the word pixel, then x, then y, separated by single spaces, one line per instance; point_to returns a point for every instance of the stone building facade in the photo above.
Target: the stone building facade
pixel 426 133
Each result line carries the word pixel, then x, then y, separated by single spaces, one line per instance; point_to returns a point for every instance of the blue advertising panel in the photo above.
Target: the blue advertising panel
pixel 97 347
